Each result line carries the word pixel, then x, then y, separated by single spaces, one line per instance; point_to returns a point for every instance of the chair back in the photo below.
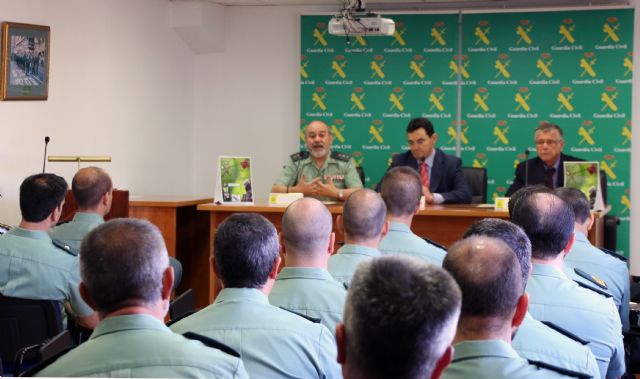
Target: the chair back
pixel 183 305
pixel 26 322
pixel 476 178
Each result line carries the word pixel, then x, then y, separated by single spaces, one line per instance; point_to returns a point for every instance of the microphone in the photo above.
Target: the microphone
pixel 526 167
pixel 44 159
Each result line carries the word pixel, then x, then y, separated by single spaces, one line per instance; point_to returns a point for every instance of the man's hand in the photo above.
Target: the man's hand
pixel 307 188
pixel 327 190
pixel 428 196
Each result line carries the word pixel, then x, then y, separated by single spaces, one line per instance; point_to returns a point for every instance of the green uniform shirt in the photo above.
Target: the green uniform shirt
pixel 310 291
pixel 538 342
pixel 272 342
pixel 141 346
pixel 343 173
pixel 32 267
pixel 556 298
pixel 344 263
pixel 614 272
pixel 72 232
pixel 492 359
pixel 401 241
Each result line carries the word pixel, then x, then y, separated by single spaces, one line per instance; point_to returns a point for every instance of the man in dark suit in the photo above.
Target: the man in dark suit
pixel 441 174
pixel 548 167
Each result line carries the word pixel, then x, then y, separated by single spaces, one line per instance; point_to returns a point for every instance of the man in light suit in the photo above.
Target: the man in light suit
pixel 441 174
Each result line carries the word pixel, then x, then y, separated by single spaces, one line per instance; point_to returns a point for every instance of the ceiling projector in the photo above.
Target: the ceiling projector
pixel 354 20
pixel 361 25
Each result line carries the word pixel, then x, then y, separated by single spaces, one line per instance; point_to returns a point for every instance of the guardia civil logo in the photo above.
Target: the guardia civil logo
pixel 608 98
pixel 481 98
pixel 585 131
pixel 501 66
pixel 564 99
pixel 375 130
pixel 435 98
pixel 376 66
pixel 357 99
pixel 501 130
pixel 416 65
pixel 608 164
pixel 454 134
pixel 395 98
pixel 565 30
pixel 482 33
pixel 522 31
pixel 438 34
pixel 544 66
pixel 337 128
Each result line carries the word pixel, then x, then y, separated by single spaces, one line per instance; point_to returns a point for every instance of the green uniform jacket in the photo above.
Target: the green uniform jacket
pixel 342 172
pixel 310 291
pixel 556 298
pixel 613 271
pixel 401 240
pixel 538 342
pixel 141 346
pixel 72 232
pixel 272 342
pixel 32 267
pixel 492 359
pixel 344 263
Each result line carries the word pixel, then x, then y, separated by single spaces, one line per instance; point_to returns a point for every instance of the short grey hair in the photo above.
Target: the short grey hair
pixel 403 310
pixel 401 190
pixel 122 262
pixel 546 126
pixel 364 214
pixel 306 227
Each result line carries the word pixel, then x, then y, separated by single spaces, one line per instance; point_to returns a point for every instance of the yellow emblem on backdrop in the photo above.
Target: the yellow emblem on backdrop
pixel 376 133
pixel 586 135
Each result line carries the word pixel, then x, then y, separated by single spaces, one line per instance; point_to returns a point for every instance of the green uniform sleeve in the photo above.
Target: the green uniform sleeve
pixel 78 305
pixel 351 177
pixel 288 175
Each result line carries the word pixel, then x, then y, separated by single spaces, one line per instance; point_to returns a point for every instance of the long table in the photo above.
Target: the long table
pixel 443 224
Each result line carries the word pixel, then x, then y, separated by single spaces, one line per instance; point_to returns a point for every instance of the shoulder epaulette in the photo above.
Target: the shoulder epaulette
pixel 32 371
pixel 591 278
pixel 594 289
pixel 614 254
pixel 565 332
pixel 4 228
pixel 64 247
pixel 300 155
pixel 346 286
pixel 340 156
pixel 560 370
pixel 210 342
pixel 434 243
pixel 312 319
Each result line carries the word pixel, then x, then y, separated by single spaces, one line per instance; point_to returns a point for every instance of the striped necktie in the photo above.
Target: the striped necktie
pixel 424 174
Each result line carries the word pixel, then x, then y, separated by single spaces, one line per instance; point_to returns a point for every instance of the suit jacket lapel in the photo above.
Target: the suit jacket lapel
pixel 436 171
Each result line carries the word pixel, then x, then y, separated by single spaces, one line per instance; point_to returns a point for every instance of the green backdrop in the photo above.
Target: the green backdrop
pixel 572 68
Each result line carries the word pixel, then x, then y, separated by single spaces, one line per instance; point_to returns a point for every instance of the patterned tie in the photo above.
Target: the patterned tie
pixel 424 174
pixel 549 177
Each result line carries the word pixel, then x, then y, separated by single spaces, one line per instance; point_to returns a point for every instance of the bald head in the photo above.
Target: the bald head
pixel 523 193
pixel 547 220
pixel 89 185
pixel 306 228
pixel 509 233
pixel 489 276
pixel 364 215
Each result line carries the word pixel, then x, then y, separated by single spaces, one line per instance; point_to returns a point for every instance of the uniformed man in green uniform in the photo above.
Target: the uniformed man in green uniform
pixel 92 191
pixel 399 320
pixel 364 223
pixel 493 307
pixel 129 283
pixel 32 266
pixel 537 341
pixel 549 223
pixel 319 172
pixel 305 285
pixel 273 342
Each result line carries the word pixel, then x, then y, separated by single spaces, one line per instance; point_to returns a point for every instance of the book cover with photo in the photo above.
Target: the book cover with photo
pixel 585 176
pixel 234 184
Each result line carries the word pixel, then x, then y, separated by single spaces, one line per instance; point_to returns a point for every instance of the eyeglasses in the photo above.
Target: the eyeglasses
pixel 550 142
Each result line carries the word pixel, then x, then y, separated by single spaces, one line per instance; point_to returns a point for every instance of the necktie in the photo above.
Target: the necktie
pixel 549 177
pixel 424 174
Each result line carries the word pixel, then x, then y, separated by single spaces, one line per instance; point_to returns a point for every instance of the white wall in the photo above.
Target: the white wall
pixel 121 84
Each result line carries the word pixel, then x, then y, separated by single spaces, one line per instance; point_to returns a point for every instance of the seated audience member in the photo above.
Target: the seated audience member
pixel 126 277
pixel 305 285
pixel 364 224
pixel 607 266
pixel 273 342
pixel 319 172
pixel 534 340
pixel 401 191
pixel 441 174
pixel 549 223
pixel 399 320
pixel 32 265
pixel 93 192
pixel 547 168
pixel 524 192
pixel 493 307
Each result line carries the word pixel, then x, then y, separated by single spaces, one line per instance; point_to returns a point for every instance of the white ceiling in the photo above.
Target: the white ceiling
pixel 429 4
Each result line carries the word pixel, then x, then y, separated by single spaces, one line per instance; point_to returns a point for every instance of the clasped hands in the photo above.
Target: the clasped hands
pixel 316 188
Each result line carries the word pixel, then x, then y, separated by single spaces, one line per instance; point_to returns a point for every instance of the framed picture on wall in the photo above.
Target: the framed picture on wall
pixel 25 61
